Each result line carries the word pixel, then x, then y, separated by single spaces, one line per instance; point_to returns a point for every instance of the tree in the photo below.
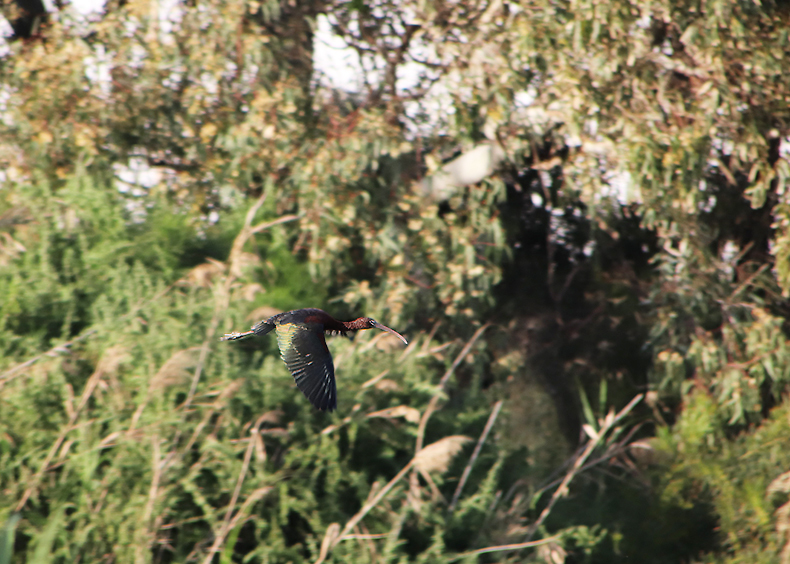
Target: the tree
pixel 169 178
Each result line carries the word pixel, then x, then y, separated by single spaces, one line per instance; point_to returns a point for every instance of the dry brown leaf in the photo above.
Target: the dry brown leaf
pixel 174 370
pixel 229 390
pixel 10 249
pixel 249 291
pixel 388 343
pixel 436 457
pixel 272 417
pixel 781 485
pixel 410 414
pixel 112 359
pixel 263 313
pixel 244 262
pixel 202 275
pixel 552 553
pixel 387 385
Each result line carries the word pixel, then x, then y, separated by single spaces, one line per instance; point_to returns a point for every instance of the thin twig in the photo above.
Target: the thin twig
pixel 475 454
pixel 414 482
pixel 266 225
pixel 435 399
pixel 562 491
pixel 149 507
pixel 223 296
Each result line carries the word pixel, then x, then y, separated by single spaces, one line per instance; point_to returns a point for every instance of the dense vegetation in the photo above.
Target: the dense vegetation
pixel 598 363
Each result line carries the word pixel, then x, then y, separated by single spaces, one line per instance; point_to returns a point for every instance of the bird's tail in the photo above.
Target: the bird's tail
pixel 260 328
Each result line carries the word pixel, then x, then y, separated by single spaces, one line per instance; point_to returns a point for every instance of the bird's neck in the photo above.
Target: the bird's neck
pixel 335 327
pixel 355 325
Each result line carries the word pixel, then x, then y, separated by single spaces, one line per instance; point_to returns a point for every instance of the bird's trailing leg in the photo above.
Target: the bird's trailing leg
pixel 260 328
pixel 236 335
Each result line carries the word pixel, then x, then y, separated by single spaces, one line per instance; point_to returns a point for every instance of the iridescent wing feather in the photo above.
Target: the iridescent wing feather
pixel 306 355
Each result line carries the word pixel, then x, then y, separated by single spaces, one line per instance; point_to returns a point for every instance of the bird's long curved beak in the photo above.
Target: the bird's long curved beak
pixel 378 325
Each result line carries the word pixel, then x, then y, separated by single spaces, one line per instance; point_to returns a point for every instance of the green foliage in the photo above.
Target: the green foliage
pixel 169 178
pixel 734 476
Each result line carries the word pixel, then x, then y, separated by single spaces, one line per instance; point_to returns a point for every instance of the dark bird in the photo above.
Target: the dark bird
pixel 300 336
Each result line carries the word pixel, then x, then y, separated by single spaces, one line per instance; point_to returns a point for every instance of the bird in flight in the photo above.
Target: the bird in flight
pixel 300 337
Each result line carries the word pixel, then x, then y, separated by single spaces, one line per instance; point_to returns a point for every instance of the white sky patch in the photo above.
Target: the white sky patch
pixel 86 7
pixel 525 98
pixel 6 31
pixel 97 69
pixel 337 64
pixel 5 96
pixel 137 177
pixel 622 188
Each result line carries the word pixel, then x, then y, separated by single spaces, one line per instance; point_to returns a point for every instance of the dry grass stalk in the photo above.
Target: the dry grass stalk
pixel 173 372
pixel 607 425
pixel 435 457
pixel 109 363
pixel 371 503
pixel 175 369
pixel 144 547
pixel 504 547
pixel 222 295
pixel 63 348
pixel 475 454
pixel 331 534
pixel 221 304
pixel 227 525
pixel 442 383
pixel 433 403
pixel 373 381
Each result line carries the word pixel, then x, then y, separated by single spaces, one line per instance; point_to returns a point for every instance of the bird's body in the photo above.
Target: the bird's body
pixel 300 337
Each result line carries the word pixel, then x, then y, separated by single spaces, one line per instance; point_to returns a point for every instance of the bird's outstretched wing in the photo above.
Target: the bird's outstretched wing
pixel 306 355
